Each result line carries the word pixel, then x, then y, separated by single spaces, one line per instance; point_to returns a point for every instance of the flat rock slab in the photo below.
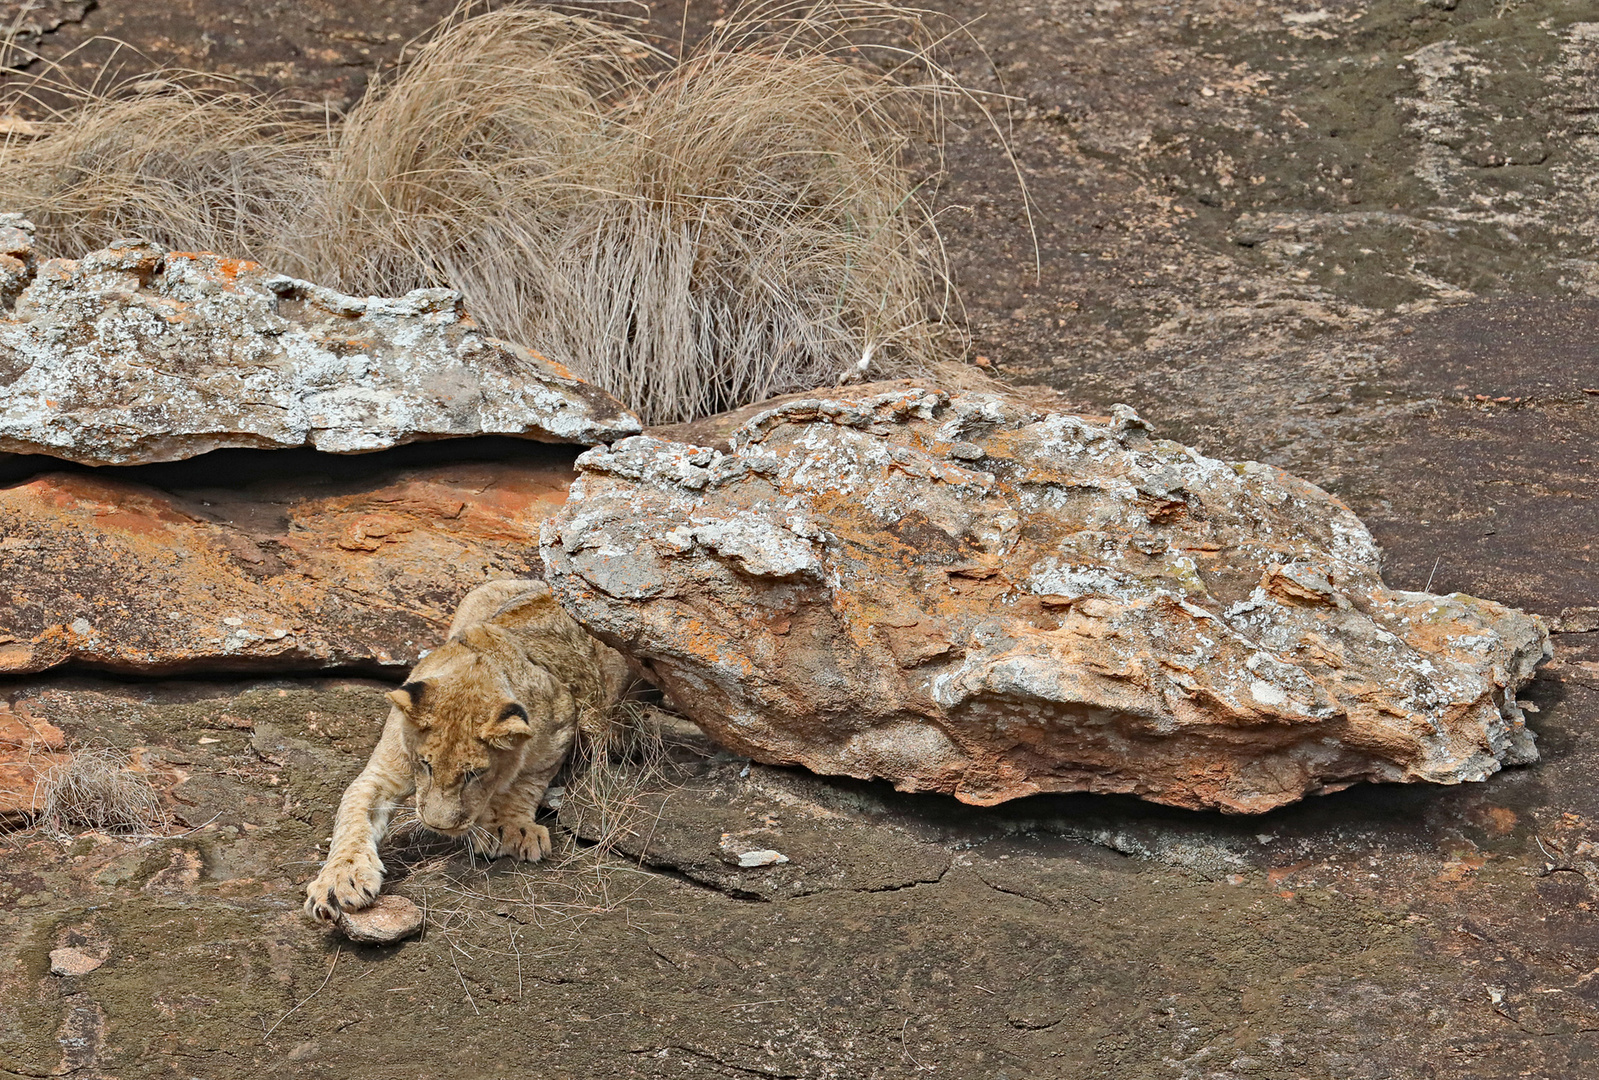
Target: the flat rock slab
pixel 292 573
pixel 388 918
pixel 758 832
pixel 136 354
pixel 965 595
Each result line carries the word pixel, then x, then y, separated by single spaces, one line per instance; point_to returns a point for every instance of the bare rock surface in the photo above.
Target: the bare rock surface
pixel 388 918
pixel 136 354
pixel 26 22
pixel 295 571
pixel 968 596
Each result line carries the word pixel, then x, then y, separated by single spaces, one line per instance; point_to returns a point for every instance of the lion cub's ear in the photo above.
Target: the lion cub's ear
pixel 509 726
pixel 408 699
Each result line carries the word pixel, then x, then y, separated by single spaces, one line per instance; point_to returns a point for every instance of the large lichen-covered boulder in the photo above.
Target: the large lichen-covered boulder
pixel 968 596
pixel 137 354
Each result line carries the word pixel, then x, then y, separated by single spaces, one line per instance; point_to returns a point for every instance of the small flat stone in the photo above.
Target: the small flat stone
pixel 763 857
pixel 389 918
pixel 71 961
pixel 739 851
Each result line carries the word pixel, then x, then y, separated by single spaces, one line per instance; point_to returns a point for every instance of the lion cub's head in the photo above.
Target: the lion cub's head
pixel 477 712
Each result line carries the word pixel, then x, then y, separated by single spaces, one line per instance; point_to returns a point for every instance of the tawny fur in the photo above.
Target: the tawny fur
pixel 478 730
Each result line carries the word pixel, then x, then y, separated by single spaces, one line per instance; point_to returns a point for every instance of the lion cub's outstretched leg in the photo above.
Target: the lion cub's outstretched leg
pixel 478 730
pixel 353 874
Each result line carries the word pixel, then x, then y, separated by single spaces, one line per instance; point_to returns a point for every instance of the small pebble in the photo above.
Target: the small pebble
pixel 72 962
pixel 388 918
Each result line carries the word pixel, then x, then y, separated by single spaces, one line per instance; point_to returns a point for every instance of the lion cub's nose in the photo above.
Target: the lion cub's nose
pixel 442 820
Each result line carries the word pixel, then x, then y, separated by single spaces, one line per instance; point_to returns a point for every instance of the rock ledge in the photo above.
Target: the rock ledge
pixel 136 354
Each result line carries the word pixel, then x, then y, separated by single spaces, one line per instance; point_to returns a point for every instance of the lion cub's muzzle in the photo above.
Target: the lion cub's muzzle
pixel 449 820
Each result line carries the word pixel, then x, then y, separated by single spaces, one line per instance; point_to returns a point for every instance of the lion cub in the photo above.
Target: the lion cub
pixel 477 731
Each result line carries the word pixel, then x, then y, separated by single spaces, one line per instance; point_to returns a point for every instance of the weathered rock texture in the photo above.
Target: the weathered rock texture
pixel 27 21
pixel 136 354
pixel 279 575
pixel 29 749
pixel 971 597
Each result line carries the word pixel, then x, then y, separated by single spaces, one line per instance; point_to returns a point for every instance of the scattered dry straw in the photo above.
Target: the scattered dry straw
pixel 509 911
pixel 691 233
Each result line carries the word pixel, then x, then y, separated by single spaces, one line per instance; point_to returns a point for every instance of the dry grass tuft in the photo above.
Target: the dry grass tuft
pixel 96 790
pixel 691 233
pixel 612 782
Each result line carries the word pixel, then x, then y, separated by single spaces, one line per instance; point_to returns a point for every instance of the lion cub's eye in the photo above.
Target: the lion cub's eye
pixel 427 766
pixel 472 775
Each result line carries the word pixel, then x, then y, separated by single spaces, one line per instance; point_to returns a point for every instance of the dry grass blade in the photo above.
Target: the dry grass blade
pixel 611 782
pixel 97 790
pixel 689 233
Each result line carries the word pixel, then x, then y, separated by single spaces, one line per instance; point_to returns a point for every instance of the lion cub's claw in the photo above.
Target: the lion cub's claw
pixel 343 885
pixel 523 840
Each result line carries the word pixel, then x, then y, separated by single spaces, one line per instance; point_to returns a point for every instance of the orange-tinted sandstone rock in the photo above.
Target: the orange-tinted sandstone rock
pixel 29 748
pixel 281 576
pixel 968 596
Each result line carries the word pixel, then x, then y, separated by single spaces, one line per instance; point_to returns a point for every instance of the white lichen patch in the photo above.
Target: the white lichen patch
pixel 134 355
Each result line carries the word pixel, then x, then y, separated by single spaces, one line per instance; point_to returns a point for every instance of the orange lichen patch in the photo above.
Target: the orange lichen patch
pixel 1278 874
pixel 371 531
pixel 1461 868
pixel 503 504
pixel 556 366
pixel 113 504
pixel 227 269
pixel 1497 820
pixel 514 513
pixel 695 637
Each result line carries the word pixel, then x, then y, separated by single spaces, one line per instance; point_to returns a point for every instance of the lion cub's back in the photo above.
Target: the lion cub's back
pixel 596 673
pixel 484 603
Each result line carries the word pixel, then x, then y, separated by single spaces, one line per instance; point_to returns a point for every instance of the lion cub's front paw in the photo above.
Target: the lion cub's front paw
pixel 346 883
pixel 523 840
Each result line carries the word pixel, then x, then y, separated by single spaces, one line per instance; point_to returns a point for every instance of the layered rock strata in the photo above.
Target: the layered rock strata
pixel 273 576
pixel 968 596
pixel 136 354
